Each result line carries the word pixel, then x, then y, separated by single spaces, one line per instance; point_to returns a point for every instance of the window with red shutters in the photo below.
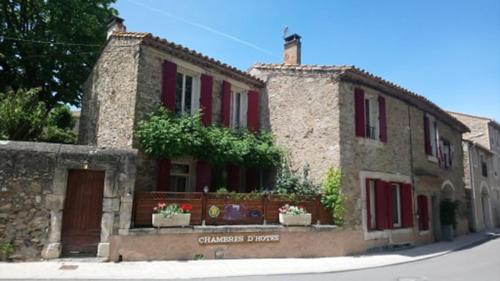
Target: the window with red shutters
pixel 233 177
pixel 381 204
pixel 253 111
pixel 203 175
pixel 382 119
pixel 168 91
pixel 226 104
pixel 359 110
pixel 163 175
pixel 206 99
pixel 406 205
pixel 423 213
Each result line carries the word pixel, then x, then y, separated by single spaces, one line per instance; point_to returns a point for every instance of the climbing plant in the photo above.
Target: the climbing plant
pixel 332 197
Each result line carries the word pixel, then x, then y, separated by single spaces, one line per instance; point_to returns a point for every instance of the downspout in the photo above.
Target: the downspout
pixel 414 206
pixel 473 186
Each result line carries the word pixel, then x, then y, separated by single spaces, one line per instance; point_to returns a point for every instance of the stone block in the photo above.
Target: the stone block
pixel 107 226
pixel 60 181
pixel 54 202
pixel 110 205
pixel 125 214
pixel 103 250
pixel 55 226
pixel 51 251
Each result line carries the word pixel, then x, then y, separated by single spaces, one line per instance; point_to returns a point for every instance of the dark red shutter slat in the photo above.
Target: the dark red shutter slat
pixel 226 103
pixel 406 205
pixel 163 177
pixel 381 204
pixel 253 111
pixel 359 109
pixel 252 179
pixel 168 85
pixel 206 99
pixel 423 212
pixel 233 177
pixel 427 136
pixel 389 189
pixel 368 207
pixel 203 175
pixel 382 119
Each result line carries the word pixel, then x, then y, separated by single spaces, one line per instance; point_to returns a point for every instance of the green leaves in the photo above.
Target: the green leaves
pixel 291 182
pixel 332 197
pixel 163 135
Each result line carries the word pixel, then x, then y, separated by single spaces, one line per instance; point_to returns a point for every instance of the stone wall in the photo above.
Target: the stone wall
pixel 32 190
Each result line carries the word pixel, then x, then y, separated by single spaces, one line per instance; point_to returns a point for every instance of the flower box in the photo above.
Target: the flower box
pixel 160 220
pixel 300 219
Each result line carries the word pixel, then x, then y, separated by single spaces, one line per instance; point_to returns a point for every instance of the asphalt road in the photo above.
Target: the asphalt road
pixel 480 262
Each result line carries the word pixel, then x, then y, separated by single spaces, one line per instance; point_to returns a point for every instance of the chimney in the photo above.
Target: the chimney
pixel 115 25
pixel 292 49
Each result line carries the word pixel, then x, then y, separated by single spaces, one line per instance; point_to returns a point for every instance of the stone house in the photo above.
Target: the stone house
pixel 136 74
pixel 482 169
pixel 400 154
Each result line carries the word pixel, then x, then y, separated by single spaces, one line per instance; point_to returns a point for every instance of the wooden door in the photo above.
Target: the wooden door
pixel 81 229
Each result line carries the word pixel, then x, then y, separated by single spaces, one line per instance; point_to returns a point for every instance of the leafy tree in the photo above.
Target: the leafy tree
pixel 332 197
pixel 59 70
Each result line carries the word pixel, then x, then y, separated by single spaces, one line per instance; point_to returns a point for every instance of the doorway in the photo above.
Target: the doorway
pixel 436 222
pixel 81 227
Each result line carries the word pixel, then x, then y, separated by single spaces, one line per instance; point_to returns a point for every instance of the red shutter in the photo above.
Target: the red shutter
pixel 233 177
pixel 368 206
pixel 252 179
pixel 206 99
pixel 226 103
pixel 253 111
pixel 359 110
pixel 389 189
pixel 381 204
pixel 427 135
pixel 382 119
pixel 423 213
pixel 163 177
pixel 406 206
pixel 168 85
pixel 203 175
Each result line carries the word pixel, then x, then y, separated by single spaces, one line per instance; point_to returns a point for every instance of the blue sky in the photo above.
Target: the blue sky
pixel 448 51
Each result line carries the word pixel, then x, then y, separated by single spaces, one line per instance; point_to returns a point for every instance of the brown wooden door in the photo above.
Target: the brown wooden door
pixel 81 229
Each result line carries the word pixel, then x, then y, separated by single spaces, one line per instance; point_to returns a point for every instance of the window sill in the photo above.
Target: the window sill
pixel 432 158
pixel 424 232
pixel 370 142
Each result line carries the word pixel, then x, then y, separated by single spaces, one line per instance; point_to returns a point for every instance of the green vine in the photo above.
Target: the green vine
pixel 332 197
pixel 163 135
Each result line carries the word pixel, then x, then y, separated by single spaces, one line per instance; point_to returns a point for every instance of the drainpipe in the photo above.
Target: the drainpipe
pixel 414 203
pixel 473 186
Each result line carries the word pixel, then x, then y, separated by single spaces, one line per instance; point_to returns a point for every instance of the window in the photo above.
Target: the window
pixel 446 154
pixel 484 166
pixel 396 205
pixel 372 218
pixel 238 110
pixel 179 177
pixel 371 118
pixel 431 135
pixel 185 98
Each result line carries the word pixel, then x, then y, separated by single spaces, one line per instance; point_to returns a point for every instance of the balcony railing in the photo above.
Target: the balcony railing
pixel 227 209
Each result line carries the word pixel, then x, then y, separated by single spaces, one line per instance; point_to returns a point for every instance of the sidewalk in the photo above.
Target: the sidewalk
pixel 90 269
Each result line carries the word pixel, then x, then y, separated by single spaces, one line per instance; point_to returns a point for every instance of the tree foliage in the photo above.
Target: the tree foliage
pixel 163 135
pixel 57 69
pixel 295 182
pixel 332 197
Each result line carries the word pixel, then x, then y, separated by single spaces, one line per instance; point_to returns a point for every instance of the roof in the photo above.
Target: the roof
pixel 191 56
pixel 478 145
pixel 490 121
pixel 355 74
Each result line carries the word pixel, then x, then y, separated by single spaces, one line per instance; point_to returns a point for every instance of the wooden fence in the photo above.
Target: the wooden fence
pixel 229 208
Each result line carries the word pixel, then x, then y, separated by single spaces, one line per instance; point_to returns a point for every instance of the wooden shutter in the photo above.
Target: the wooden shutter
pixel 233 177
pixel 427 135
pixel 382 119
pixel 203 175
pixel 168 85
pixel 406 205
pixel 163 178
pixel 389 189
pixel 226 103
pixel 381 204
pixel 206 99
pixel 252 179
pixel 368 206
pixel 423 212
pixel 359 111
pixel 253 111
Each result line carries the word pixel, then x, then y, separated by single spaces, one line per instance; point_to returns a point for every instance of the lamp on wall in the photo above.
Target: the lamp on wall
pixel 205 189
pixel 85 164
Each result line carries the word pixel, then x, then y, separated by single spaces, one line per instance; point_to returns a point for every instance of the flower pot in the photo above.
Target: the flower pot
pixel 176 220
pixel 302 219
pixel 447 233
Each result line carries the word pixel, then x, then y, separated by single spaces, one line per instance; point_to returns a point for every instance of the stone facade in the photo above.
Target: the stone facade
pixel 311 112
pixel 33 178
pixel 482 144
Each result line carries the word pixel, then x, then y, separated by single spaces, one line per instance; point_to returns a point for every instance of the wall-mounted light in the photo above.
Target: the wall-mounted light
pixel 205 189
pixel 85 164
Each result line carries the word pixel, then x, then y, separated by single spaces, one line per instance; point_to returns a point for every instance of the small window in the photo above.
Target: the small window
pixel 371 118
pixel 445 154
pixel 238 110
pixel 396 205
pixel 484 167
pixel 372 218
pixel 184 85
pixel 179 177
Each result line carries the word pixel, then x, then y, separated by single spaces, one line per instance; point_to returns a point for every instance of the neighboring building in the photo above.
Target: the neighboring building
pixel 482 169
pixel 400 154
pixel 136 74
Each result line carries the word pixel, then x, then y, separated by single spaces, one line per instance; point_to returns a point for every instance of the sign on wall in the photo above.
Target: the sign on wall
pixel 238 238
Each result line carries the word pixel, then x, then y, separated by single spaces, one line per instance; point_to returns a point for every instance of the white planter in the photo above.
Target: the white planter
pixel 176 220
pixel 304 219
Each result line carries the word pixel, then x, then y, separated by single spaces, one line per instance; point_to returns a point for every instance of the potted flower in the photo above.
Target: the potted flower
pixel 172 215
pixel 294 215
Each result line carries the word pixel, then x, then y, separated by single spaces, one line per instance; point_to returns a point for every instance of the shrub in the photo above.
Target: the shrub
pixel 290 182
pixel 332 197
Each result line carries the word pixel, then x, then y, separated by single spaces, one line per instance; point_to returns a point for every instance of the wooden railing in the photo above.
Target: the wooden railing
pixel 225 209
